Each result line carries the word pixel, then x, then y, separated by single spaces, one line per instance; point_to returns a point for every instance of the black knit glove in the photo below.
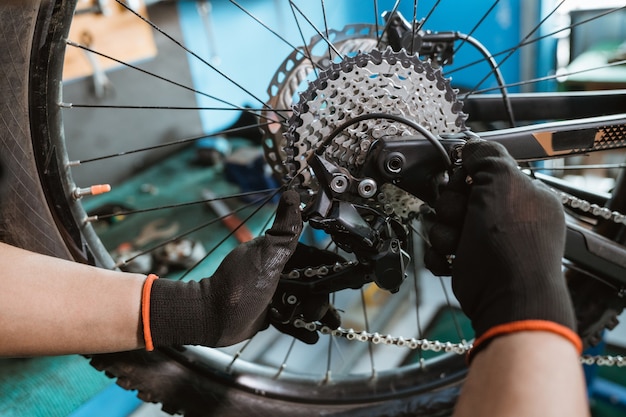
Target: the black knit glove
pixel 507 233
pixel 230 306
pixel 310 307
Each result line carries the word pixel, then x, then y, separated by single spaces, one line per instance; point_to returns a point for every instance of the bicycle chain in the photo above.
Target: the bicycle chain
pixel 462 347
pixel 319 271
pixel 593 209
pixel 376 338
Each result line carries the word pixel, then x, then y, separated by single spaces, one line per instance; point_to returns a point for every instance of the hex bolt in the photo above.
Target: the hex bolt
pixel 394 163
pixel 367 188
pixel 292 299
pixel 339 184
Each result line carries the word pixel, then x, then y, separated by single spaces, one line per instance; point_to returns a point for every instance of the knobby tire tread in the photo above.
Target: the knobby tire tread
pixel 25 219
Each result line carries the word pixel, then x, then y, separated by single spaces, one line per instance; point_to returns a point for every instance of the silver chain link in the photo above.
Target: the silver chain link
pixel 376 338
pixel 460 348
pixel 592 209
pixel 604 360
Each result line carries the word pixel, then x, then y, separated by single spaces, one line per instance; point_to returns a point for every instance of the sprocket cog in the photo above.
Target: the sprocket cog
pixel 384 82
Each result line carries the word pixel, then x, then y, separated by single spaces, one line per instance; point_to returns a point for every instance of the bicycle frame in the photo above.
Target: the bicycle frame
pixel 593 253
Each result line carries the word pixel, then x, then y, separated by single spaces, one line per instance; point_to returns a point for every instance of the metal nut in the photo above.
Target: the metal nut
pixel 367 188
pixel 339 184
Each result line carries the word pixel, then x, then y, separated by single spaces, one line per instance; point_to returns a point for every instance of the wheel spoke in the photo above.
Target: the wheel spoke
pixel 330 55
pixel 273 191
pixel 413 28
pixel 259 205
pixel 477 25
pixel 314 38
pixel 283 365
pixel 548 78
pixel 532 41
pixel 370 348
pixel 146 72
pixel 375 19
pixel 191 139
pixel 329 354
pixel 273 32
pixel 415 240
pixel 192 53
pixel 430 13
pixel 295 8
pixel 237 355
pixel 148 107
pixel 455 319
pixel 386 27
pixel 515 49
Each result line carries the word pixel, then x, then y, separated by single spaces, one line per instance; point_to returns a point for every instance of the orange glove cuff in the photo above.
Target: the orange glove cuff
pixel 145 311
pixel 522 326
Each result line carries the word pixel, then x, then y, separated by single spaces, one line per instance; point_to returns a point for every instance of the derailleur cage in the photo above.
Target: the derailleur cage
pixel 377 239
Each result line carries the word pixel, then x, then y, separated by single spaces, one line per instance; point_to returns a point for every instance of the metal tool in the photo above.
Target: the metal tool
pixel 101 82
pixel 154 230
pixel 205 9
pixel 228 218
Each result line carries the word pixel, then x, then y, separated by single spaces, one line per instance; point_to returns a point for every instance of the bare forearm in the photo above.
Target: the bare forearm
pixel 49 306
pixel 525 374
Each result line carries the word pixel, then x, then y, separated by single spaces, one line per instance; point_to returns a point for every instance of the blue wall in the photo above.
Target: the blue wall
pixel 250 64
pixel 499 31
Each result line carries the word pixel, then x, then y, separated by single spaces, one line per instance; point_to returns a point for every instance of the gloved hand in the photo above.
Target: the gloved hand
pixel 507 235
pixel 230 306
pixel 308 307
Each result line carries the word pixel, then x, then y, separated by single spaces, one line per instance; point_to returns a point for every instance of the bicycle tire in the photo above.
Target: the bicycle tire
pixel 160 376
pixel 25 218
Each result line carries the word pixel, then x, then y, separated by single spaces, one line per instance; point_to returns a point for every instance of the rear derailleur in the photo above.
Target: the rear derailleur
pixel 377 241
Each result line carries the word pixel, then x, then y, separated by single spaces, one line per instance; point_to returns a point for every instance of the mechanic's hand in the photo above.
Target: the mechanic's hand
pixel 316 308
pixel 310 308
pixel 507 235
pixel 230 306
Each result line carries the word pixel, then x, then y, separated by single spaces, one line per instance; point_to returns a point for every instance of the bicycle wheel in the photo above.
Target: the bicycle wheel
pixel 318 47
